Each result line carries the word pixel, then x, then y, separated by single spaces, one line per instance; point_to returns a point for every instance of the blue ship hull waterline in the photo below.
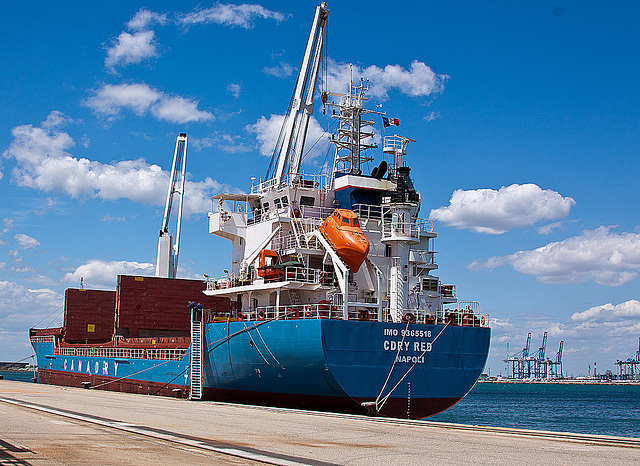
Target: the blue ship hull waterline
pixel 317 364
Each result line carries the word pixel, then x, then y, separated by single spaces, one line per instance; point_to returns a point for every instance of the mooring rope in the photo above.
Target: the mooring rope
pixel 404 335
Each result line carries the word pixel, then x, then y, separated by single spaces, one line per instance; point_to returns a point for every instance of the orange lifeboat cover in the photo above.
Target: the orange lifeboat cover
pixel 343 232
pixel 266 270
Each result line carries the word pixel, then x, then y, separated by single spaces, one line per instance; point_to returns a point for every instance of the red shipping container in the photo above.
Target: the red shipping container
pixel 154 306
pixel 89 315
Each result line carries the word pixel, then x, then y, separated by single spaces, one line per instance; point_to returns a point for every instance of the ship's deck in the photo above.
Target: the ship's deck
pixel 43 424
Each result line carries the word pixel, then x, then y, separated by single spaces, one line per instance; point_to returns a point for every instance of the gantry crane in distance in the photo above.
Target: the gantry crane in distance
pixel 527 365
pixel 517 361
pixel 630 367
pixel 168 249
pixel 555 366
pixel 539 361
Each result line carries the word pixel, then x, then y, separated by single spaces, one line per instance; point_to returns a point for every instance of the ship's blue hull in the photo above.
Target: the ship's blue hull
pixel 322 364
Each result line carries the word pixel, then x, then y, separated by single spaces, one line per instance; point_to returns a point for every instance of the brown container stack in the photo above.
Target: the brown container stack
pixel 89 315
pixel 152 306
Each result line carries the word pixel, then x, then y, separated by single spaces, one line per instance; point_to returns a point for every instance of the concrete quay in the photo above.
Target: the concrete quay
pixel 44 424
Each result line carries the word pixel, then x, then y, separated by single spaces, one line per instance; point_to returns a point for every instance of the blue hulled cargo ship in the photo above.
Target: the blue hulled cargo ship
pixel 330 302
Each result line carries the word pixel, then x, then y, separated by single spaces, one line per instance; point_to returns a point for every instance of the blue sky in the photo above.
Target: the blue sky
pixel 526 118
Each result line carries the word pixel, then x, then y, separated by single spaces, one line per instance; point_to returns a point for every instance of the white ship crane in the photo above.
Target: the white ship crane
pixel 168 249
pixel 294 128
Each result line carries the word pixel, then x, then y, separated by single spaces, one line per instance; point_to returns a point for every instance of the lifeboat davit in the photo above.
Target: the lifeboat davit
pixel 343 232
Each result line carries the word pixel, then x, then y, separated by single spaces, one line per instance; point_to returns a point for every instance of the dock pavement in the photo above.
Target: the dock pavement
pixel 45 425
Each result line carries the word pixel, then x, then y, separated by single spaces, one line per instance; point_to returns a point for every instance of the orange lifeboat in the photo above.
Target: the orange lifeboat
pixel 343 231
pixel 267 259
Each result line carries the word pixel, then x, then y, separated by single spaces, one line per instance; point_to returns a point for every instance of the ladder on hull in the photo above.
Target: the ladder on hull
pixel 195 366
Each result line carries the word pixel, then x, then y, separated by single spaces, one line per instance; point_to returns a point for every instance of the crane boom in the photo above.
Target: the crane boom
pixel 168 250
pixel 543 348
pixel 527 346
pixel 295 124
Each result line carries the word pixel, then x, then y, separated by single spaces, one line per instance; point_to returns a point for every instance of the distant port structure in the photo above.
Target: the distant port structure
pixel 526 364
pixel 629 368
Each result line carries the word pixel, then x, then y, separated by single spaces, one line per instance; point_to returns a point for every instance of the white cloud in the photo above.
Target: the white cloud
pixel 418 80
pixel 108 218
pixel 128 49
pixel 496 212
pixel 145 18
pixel 431 116
pixel 110 99
pixel 229 15
pixel 26 241
pixel 547 229
pixel 605 257
pixel 268 129
pixel 8 225
pixel 103 274
pixel 20 307
pixel 43 163
pixel 131 48
pixel 609 312
pixel 234 89
pixel 179 110
pixel 283 70
pixel 221 141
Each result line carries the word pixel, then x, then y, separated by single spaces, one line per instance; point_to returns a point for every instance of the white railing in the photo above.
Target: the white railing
pixel 407 229
pixel 43 339
pixel 394 143
pixel 368 211
pixel 293 179
pixel 464 317
pixel 170 354
pixel 293 312
pixel 291 274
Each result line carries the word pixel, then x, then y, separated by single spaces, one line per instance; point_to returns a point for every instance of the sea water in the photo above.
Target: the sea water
pixel 21 376
pixel 584 408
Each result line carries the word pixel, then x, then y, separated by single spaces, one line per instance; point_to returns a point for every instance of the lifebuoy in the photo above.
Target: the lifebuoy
pixel 482 321
pixel 261 315
pixel 240 316
pixel 409 317
pixel 323 278
pixel 308 311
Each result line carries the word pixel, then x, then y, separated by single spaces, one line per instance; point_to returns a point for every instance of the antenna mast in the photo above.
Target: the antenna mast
pixel 167 261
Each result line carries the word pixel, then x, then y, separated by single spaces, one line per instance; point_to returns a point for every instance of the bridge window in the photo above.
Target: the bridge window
pixel 307 201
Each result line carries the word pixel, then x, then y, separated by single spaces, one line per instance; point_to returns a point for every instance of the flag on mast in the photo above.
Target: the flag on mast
pixel 390 121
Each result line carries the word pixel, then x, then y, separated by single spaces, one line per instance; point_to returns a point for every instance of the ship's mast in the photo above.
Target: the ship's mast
pixel 353 130
pixel 294 128
pixel 167 260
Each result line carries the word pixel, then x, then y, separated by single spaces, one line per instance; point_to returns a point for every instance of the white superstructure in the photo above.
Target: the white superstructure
pixel 283 213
